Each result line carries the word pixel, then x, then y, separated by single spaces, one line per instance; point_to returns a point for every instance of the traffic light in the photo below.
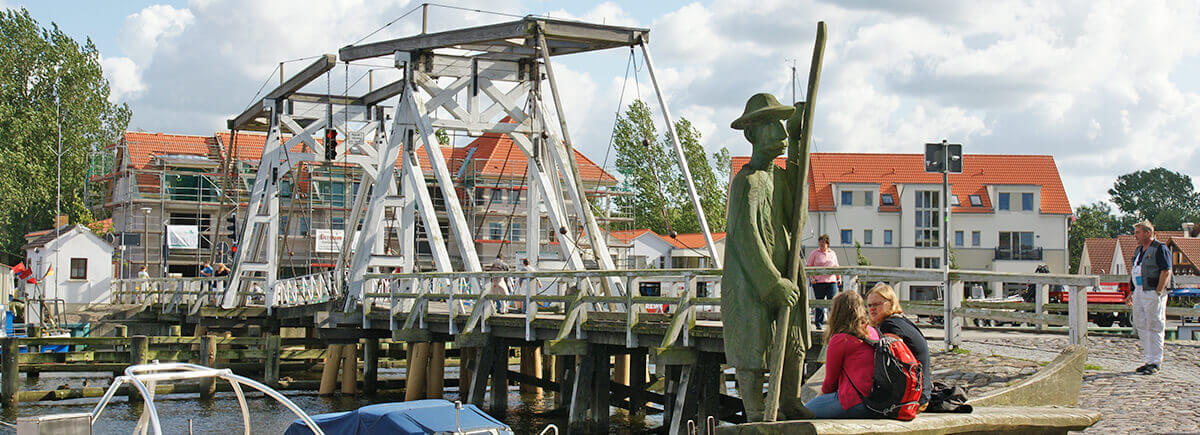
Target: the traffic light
pixel 232 227
pixel 330 144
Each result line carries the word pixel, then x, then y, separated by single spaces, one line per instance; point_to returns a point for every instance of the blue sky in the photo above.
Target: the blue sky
pixel 1107 87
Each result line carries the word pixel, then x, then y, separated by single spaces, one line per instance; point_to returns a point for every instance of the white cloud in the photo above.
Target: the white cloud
pixel 123 79
pixel 154 25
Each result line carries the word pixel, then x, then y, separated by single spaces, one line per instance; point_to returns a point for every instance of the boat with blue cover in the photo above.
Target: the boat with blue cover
pixel 419 417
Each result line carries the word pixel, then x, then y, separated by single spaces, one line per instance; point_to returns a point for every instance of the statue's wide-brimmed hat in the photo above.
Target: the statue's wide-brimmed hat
pixel 762 106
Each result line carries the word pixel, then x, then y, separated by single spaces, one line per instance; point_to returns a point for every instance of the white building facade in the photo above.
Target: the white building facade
pixel 1008 214
pixel 82 265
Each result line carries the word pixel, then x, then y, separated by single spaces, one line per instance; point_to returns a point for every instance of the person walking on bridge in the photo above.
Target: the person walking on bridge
pixel 1150 274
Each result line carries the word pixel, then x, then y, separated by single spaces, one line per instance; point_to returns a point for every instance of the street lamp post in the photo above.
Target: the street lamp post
pixel 946 158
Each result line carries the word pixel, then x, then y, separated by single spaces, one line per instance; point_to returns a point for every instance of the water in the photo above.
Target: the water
pixel 527 413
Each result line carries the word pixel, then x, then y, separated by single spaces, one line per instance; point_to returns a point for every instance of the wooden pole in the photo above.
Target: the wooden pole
pixel 435 378
pixel 9 372
pixel 531 365
pixel 466 369
pixel 271 362
pixel 499 379
pixel 797 162
pixel 638 380
pixel 139 350
pixel 414 387
pixel 350 369
pixel 371 366
pixel 621 369
pixel 333 358
pixel 208 358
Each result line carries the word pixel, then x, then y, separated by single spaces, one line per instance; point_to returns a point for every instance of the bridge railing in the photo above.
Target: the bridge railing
pixel 407 298
pixel 181 294
pixel 305 289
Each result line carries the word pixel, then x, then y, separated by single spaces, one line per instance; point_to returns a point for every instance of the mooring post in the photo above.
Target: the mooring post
pixel 435 378
pixel 271 362
pixel 637 381
pixel 600 386
pixel 414 383
pixel 9 371
pixel 580 394
pixel 371 366
pixel 139 350
pixel 499 379
pixel 333 360
pixel 208 358
pixel 531 365
pixel 350 369
pixel 621 369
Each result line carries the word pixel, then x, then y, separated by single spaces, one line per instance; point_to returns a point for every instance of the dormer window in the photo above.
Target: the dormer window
pixel 887 199
pixel 976 201
pixel 954 200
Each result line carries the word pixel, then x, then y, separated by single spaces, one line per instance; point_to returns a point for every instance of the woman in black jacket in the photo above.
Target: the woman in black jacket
pixel 886 315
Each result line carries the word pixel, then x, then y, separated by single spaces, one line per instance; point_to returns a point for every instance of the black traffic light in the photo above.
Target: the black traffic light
pixel 330 144
pixel 232 227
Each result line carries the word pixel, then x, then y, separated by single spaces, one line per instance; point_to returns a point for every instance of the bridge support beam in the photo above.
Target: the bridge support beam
pixel 435 378
pixel 638 381
pixel 499 404
pixel 531 365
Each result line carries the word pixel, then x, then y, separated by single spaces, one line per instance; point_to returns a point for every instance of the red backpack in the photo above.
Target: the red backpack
pixel 896 392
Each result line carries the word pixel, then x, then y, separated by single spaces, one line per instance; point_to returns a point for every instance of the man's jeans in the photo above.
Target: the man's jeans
pixel 1150 320
pixel 822 290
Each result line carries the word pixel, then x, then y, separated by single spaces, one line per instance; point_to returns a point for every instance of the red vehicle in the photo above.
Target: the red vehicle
pixel 1107 293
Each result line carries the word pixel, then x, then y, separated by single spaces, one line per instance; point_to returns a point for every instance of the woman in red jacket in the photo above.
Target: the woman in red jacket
pixel 849 362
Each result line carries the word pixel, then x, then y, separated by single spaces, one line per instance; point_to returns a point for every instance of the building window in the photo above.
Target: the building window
pixel 954 200
pixel 337 223
pixel 515 232
pixel 480 196
pixel 928 263
pixel 497 195
pixel 495 231
pixel 515 197
pixel 1027 201
pixel 887 199
pixel 283 225
pixel 847 198
pixel 958 238
pixel 928 219
pixel 868 198
pixel 887 237
pixel 78 268
pixel 847 237
pixel 976 200
pixel 868 237
pixel 1003 204
pixel 1017 245
pixel 975 236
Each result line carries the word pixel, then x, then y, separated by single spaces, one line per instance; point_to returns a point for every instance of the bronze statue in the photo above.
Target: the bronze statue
pixel 756 286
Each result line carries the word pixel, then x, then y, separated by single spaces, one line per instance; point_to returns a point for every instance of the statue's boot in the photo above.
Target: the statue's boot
pixel 750 388
pixel 794 410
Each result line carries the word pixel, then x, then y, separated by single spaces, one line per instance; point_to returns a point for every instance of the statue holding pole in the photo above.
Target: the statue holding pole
pixel 763 274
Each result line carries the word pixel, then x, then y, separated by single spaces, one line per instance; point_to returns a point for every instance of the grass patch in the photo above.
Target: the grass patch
pixel 1043 363
pixel 960 351
pixel 1092 367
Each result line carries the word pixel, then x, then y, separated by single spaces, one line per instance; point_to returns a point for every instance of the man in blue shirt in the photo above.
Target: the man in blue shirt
pixel 1149 274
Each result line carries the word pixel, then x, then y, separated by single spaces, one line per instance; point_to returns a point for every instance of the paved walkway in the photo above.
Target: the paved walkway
pixel 1131 403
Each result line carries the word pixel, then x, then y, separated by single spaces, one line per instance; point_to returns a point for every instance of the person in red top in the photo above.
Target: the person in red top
pixel 849 362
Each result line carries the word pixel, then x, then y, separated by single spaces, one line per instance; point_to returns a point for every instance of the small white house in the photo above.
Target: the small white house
pixel 82 266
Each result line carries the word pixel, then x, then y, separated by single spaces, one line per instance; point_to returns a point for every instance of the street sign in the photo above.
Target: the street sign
pixel 937 160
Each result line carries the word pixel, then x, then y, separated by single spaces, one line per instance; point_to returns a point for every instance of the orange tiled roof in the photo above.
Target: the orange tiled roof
pixel 143 147
pixel 495 149
pixel 628 235
pixel 1189 246
pixel 1129 244
pixel 1100 253
pixel 692 240
pixel 887 170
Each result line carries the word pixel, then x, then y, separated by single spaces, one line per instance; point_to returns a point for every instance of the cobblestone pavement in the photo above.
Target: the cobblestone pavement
pixel 1131 403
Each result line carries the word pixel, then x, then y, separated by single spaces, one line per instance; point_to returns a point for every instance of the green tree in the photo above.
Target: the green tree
pixel 1091 221
pixel 39 64
pixel 862 259
pixel 1165 198
pixel 649 170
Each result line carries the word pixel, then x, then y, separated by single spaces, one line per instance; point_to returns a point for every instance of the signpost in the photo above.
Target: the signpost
pixel 945 158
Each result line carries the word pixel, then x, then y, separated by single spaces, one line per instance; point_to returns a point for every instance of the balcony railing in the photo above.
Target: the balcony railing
pixel 1033 254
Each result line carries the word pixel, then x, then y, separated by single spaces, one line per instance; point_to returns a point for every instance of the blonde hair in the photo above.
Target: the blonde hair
pixel 848 315
pixel 888 294
pixel 1145 226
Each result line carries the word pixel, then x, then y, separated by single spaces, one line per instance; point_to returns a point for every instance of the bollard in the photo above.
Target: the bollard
pixel 333 358
pixel 435 378
pixel 350 369
pixel 371 366
pixel 208 358
pixel 414 386
pixel 9 371
pixel 271 362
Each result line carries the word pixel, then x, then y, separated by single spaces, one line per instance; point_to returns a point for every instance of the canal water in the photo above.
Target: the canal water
pixel 528 413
